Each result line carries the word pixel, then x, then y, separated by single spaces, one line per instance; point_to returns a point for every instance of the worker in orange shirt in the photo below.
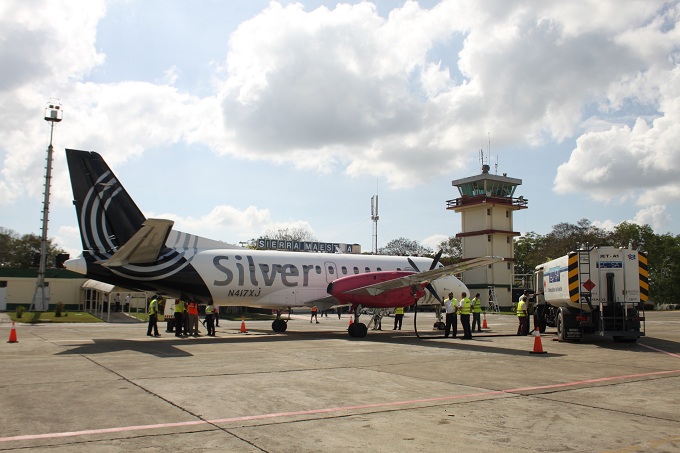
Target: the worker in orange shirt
pixel 192 313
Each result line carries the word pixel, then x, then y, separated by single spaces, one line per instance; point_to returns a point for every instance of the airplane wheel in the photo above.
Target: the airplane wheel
pixel 361 330
pixel 279 325
pixel 439 325
pixel 351 330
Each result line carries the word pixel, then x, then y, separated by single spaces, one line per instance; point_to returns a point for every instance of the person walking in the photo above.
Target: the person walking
pixel 523 315
pixel 153 318
pixel 210 319
pixel 398 317
pixel 192 314
pixel 476 313
pixel 464 307
pixel 451 319
pixel 179 317
pixel 314 317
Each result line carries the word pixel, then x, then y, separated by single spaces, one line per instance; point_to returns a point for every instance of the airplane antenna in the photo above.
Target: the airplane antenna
pixel 375 217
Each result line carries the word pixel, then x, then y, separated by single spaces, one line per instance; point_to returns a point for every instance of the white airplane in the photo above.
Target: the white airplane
pixel 122 247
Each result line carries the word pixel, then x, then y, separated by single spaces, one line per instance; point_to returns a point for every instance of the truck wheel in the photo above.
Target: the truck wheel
pixel 560 326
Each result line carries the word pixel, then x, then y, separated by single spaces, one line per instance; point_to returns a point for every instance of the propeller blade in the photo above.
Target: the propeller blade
pixel 434 293
pixel 436 259
pixel 429 286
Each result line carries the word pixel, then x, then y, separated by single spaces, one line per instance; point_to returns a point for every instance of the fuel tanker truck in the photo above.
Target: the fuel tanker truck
pixel 595 290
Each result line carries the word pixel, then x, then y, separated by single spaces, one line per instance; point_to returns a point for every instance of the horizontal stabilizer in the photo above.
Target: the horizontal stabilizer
pixel 144 247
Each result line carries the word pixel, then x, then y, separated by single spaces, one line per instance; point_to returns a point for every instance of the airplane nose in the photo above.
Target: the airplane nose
pixel 78 265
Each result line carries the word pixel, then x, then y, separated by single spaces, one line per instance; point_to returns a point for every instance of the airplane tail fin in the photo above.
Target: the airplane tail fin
pixel 107 215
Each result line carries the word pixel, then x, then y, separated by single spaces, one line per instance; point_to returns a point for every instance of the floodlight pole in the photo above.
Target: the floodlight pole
pixel 53 114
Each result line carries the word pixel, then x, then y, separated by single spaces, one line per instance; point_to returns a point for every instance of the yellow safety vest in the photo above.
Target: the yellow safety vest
pixel 521 306
pixel 476 305
pixel 179 307
pixel 465 309
pixel 399 311
pixel 153 307
pixel 209 310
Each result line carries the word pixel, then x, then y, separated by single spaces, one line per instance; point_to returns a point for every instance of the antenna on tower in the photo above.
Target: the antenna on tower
pixel 375 217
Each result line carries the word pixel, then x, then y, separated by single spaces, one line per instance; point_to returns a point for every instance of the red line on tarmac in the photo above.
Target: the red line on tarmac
pixel 323 411
pixel 660 350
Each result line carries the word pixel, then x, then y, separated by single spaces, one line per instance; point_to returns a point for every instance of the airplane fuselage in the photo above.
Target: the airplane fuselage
pixel 245 277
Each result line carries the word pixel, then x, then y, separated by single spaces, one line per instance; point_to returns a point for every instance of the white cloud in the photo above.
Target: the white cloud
pixel 654 216
pixel 639 163
pixel 434 241
pixel 346 89
pixel 223 222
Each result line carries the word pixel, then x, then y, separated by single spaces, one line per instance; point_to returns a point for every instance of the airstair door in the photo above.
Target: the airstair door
pixel 331 271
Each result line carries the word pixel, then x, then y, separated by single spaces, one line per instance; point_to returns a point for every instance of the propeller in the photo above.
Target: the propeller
pixel 429 286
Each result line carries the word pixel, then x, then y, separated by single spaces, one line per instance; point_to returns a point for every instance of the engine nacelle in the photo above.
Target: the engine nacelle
pixel 400 297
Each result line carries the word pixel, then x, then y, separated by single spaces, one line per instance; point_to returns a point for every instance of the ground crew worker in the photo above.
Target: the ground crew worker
pixel 450 305
pixel 192 312
pixel 398 317
pixel 476 313
pixel 315 311
pixel 523 315
pixel 179 317
pixel 153 318
pixel 464 305
pixel 210 319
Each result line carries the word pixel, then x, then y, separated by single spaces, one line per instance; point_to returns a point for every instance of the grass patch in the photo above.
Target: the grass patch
pixel 33 317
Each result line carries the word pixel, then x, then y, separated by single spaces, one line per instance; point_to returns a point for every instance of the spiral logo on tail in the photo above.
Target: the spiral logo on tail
pixel 101 244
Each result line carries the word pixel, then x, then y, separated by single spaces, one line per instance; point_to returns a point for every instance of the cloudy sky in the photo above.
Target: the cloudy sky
pixel 234 118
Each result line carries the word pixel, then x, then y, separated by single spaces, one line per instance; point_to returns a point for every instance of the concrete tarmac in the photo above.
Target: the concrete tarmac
pixel 109 387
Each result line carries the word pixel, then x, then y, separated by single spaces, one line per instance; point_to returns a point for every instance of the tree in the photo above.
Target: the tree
pixel 290 234
pixel 631 234
pixel 452 249
pixel 528 252
pixel 404 247
pixel 20 251
pixel 566 237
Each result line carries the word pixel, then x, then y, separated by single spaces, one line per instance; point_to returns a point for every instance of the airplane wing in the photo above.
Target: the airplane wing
pixel 144 246
pixel 426 276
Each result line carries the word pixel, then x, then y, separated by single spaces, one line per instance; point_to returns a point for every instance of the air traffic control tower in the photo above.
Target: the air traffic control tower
pixel 486 203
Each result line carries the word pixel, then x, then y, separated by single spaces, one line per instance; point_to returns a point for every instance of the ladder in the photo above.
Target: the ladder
pixel 493 302
pixel 585 294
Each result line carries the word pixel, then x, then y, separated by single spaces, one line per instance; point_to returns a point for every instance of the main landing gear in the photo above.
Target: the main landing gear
pixel 279 325
pixel 357 329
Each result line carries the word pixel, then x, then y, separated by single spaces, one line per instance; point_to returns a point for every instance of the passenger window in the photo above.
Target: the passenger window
pixel 344 270
pixel 331 270
pixel 368 269
pixel 379 269
pixel 318 270
pixel 356 270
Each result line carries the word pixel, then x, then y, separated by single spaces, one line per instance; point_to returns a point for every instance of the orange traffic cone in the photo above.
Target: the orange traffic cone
pixel 13 335
pixel 484 325
pixel 243 325
pixel 538 346
pixel 350 319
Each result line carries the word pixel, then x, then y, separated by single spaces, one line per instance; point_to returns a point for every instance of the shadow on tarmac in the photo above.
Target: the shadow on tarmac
pixel 168 347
